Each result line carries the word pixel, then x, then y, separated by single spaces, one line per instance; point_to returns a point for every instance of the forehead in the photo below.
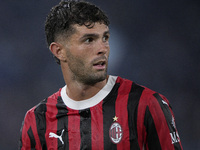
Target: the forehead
pixel 98 28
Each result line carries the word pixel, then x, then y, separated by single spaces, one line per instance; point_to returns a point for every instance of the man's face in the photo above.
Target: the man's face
pixel 87 52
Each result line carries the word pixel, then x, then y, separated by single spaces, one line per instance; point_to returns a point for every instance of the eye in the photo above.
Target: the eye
pixel 106 38
pixel 89 40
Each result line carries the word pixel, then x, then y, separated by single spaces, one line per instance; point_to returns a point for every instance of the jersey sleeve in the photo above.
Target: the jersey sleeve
pixel 159 122
pixel 28 132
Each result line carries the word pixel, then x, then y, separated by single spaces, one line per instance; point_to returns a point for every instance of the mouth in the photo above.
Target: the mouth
pixel 100 65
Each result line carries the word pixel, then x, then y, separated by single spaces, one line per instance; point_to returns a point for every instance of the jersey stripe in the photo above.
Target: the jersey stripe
pixel 74 129
pixel 34 128
pixel 158 117
pixel 62 122
pixel 152 136
pixel 134 97
pixel 85 128
pixel 141 129
pixel 169 118
pixel 51 123
pixel 32 139
pixel 166 111
pixel 176 145
pixel 25 138
pixel 122 114
pixel 108 115
pixel 97 127
pixel 40 116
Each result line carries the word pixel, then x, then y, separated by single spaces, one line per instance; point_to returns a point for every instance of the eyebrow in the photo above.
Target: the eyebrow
pixel 93 35
pixel 106 32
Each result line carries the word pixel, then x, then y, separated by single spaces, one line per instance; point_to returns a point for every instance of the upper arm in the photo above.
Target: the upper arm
pixel 160 125
pixel 29 135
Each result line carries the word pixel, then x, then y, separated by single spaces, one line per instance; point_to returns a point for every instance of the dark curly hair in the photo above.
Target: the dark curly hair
pixel 67 13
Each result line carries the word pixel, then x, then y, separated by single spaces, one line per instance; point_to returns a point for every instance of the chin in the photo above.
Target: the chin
pixel 93 79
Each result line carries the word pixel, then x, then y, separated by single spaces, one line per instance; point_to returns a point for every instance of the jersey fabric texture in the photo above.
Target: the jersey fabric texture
pixel 122 116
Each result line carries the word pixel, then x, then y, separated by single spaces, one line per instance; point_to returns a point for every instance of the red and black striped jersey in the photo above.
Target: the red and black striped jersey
pixel 122 116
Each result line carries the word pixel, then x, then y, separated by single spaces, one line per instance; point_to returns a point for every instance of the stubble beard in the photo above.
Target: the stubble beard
pixel 95 78
pixel 85 74
pixel 88 76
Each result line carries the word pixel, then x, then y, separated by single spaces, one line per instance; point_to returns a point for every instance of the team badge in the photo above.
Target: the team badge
pixel 115 131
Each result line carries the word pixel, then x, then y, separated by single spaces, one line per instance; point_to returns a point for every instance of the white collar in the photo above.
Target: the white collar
pixel 83 104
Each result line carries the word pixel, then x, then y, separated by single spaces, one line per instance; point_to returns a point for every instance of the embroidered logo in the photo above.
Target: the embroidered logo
pixel 115 118
pixel 53 135
pixel 115 133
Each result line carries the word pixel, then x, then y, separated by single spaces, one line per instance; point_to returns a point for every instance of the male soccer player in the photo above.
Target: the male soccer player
pixel 94 111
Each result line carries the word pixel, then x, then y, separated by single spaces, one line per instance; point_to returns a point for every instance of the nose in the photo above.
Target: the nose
pixel 103 47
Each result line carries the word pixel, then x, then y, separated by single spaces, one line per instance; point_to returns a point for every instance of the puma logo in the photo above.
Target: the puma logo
pixel 164 102
pixel 53 135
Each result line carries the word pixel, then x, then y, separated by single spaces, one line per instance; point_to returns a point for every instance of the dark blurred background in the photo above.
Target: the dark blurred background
pixel 154 43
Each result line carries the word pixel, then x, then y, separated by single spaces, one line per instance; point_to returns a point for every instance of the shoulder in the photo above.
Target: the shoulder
pixel 145 95
pixel 133 87
pixel 152 98
pixel 41 107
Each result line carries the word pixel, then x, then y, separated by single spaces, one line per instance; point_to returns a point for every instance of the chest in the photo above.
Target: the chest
pixel 105 126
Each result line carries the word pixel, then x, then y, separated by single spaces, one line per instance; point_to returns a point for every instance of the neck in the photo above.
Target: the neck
pixel 78 91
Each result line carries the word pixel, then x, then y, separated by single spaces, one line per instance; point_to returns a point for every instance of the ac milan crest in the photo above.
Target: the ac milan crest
pixel 115 133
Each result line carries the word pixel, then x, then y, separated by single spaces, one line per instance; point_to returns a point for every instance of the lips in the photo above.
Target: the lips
pixel 100 65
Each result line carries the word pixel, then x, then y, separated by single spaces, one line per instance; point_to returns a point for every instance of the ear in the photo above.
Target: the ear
pixel 57 50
